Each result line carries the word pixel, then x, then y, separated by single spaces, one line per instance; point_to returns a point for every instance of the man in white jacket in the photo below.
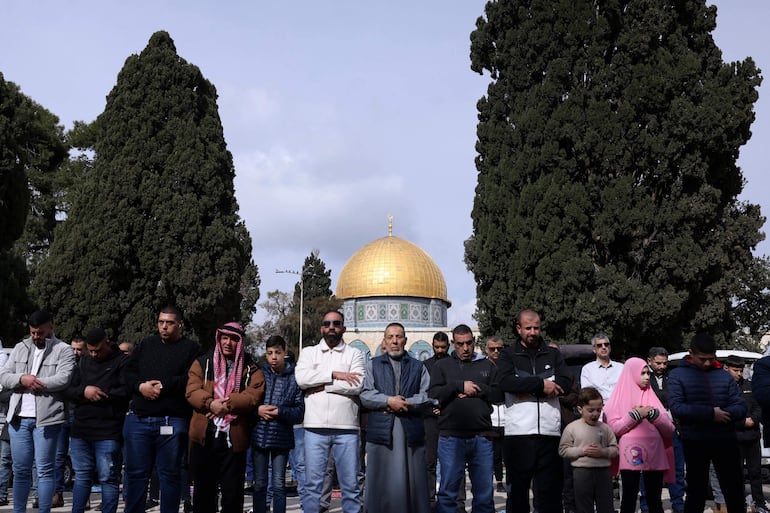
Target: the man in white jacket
pixel 331 374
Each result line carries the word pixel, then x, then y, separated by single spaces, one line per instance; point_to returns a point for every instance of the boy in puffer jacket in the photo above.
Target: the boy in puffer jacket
pixel 273 436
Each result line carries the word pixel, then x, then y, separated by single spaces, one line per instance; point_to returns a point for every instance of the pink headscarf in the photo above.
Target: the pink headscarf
pixel 627 394
pixel 225 385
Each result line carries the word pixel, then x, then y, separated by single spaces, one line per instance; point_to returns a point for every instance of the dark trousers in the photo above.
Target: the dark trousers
pixel 216 464
pixel 725 456
pixel 497 453
pixel 533 460
pixel 751 454
pixel 593 486
pixel 653 486
pixel 431 455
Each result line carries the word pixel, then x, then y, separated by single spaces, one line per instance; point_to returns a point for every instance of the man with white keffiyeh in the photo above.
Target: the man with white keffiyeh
pixel 224 387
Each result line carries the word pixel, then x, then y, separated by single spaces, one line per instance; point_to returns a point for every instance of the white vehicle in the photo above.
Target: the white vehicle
pixel 750 357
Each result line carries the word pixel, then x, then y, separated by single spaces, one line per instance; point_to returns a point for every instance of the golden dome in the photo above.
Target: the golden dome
pixel 391 266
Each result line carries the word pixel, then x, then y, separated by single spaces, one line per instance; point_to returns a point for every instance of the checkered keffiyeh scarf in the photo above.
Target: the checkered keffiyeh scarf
pixel 225 384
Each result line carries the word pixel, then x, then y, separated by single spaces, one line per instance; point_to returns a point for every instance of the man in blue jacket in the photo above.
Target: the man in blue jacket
pixel 706 402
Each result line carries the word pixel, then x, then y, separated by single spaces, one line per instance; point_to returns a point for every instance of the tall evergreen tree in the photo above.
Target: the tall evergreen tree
pixel 31 149
pixel 155 220
pixel 607 176
pixel 318 299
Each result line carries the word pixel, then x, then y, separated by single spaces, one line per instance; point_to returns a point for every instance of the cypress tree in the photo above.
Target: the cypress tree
pixel 607 176
pixel 154 221
pixel 318 300
pixel 31 149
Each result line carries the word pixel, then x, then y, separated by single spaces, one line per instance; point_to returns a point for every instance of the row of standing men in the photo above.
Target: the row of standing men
pixel 145 406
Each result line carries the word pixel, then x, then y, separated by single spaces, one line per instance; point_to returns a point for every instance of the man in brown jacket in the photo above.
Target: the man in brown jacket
pixel 224 387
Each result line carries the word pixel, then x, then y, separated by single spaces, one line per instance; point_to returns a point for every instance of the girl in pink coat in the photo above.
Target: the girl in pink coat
pixel 644 432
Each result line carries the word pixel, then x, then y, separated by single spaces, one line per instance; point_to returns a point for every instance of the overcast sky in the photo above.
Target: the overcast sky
pixel 336 113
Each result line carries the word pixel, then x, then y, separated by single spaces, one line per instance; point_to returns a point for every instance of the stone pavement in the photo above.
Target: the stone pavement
pixel 292 505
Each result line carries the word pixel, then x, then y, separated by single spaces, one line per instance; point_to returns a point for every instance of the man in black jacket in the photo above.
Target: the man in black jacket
pixel 463 386
pixel 100 395
pixel 533 375
pixel 748 434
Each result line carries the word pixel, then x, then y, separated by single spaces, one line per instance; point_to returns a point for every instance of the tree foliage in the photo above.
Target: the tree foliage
pixel 32 148
pixel 607 176
pixel 154 220
pixel 318 300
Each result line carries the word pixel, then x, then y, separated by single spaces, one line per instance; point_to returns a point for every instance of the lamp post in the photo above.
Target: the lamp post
pixel 301 297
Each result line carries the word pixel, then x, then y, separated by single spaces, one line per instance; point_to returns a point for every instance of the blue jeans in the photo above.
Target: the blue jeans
pixel 297 460
pixel 62 448
pixel 262 458
pixel 5 467
pixel 30 442
pixel 145 448
pixel 319 444
pixel 104 456
pixel 453 454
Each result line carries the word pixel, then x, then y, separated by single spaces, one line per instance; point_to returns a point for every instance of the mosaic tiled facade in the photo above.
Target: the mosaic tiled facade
pixel 378 312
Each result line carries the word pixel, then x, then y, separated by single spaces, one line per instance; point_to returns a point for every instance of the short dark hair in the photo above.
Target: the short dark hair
pixel 461 329
pixel 173 310
pixel 703 343
pixel 657 351
pixel 39 317
pixel 95 336
pixel 441 337
pixel 275 341
pixel 397 324
pixel 588 394
pixel 528 312
pixel 327 312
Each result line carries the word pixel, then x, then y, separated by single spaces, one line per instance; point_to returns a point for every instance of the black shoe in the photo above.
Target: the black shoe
pixel 58 500
pixel 3 501
pixel 36 503
pixel 151 503
pixel 187 506
pixel 500 487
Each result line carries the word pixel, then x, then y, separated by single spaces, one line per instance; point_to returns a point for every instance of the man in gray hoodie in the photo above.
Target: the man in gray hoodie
pixel 39 369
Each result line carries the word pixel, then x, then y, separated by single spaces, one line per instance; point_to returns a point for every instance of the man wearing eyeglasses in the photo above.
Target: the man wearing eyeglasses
pixel 331 374
pixel 603 373
pixel 463 386
pixel 492 349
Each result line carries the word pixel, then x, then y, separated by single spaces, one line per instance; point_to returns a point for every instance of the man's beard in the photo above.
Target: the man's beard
pixel 333 339
pixel 396 355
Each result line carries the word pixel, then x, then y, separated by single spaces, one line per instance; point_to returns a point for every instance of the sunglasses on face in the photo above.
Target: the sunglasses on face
pixel 494 349
pixel 326 324
pixel 602 344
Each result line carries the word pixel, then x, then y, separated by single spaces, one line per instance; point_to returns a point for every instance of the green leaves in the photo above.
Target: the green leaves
pixel 607 181
pixel 155 220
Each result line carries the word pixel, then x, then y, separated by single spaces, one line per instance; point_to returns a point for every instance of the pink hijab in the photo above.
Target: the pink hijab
pixel 627 394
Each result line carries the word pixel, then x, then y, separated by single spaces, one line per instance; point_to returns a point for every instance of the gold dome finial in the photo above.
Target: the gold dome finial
pixel 390 225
